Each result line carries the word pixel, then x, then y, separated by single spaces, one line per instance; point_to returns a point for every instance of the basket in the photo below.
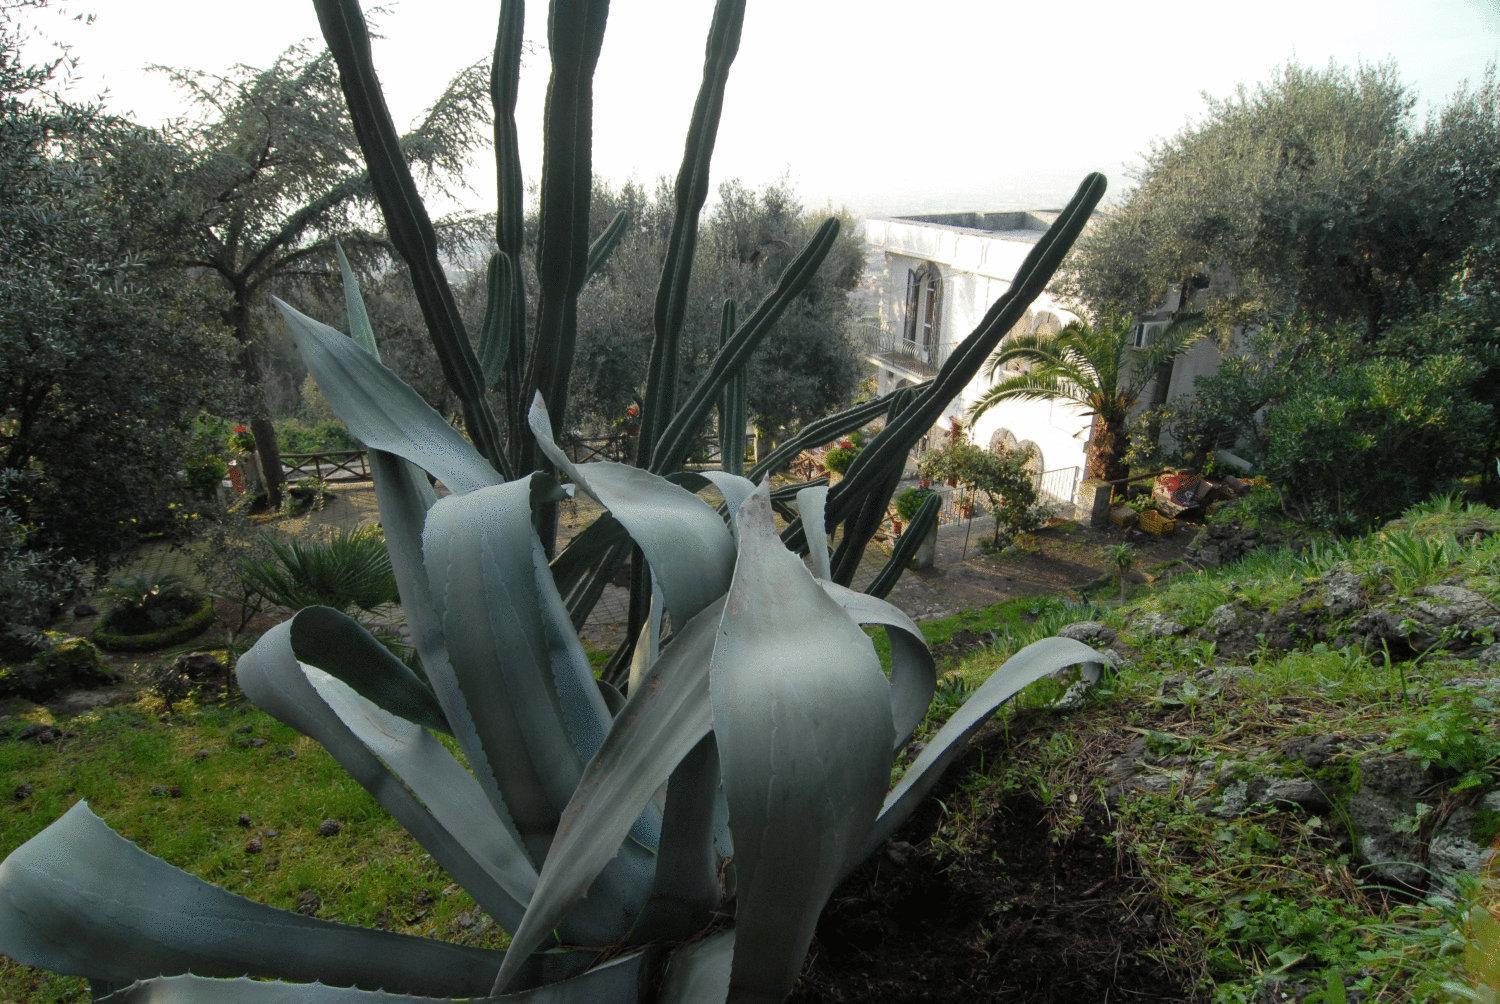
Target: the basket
pixel 1156 524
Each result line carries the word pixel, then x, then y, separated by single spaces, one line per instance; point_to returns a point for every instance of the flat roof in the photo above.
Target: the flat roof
pixel 1024 224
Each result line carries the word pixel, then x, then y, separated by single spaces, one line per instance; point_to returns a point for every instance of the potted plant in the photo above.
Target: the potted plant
pixel 244 469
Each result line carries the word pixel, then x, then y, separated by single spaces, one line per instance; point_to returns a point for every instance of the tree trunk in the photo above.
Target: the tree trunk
pixel 1106 451
pixel 261 427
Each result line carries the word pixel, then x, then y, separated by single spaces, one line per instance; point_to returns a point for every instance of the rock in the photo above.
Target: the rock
pixel 175 791
pixel 287 753
pixel 253 846
pixel 255 744
pixel 80 702
pixel 898 852
pixel 85 610
pixel 329 828
pixel 1343 592
pixel 1453 849
pixel 1489 656
pixel 1315 751
pixel 23 791
pixel 1224 619
pixel 1155 625
pixel 309 903
pixel 465 919
pixel 1391 786
pixel 273 834
pixel 41 734
pixel 159 790
pixel 244 819
pixel 1090 633
pixel 1301 792
pixel 199 666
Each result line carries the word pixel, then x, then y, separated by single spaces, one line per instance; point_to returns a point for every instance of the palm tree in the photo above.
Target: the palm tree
pixel 1093 366
pixel 1122 558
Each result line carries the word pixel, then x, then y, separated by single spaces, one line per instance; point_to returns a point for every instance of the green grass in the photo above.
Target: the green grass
pixel 372 873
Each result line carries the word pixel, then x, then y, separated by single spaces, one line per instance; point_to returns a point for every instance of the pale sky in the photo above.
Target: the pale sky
pixel 877 105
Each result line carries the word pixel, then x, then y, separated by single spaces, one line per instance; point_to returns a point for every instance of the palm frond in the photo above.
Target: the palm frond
pixel 1034 386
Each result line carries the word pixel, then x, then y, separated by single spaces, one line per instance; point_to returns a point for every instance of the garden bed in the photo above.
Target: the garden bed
pixel 194 624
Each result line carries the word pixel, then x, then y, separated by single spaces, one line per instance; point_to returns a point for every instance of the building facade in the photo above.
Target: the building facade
pixel 932 279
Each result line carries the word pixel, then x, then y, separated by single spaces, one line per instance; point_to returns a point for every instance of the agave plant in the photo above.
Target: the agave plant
pixel 758 704
pixel 672 838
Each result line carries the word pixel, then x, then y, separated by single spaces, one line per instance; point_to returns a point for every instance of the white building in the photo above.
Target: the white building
pixel 935 276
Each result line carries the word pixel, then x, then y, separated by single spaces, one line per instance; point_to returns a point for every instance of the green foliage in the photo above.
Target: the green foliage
pixel 1457 736
pixel 349 571
pixel 1316 194
pixel 1371 439
pixel 144 602
pixel 34 585
pixel 97 453
pixel 191 624
pixel 1092 366
pixel 1260 508
pixel 1001 476
pixel 838 458
pixel 205 474
pixel 294 435
pixel 910 501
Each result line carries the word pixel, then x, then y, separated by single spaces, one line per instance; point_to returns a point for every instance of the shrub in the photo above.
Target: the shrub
pixel 34 586
pixel 999 475
pixel 205 474
pixel 349 571
pixel 192 624
pixel 838 458
pixel 148 602
pixel 910 500
pixel 1367 441
pixel 294 435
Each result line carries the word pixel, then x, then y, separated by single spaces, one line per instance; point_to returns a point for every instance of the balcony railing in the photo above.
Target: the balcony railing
pixel 897 350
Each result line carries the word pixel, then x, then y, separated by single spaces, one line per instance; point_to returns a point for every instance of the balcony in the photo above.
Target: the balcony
pixel 895 352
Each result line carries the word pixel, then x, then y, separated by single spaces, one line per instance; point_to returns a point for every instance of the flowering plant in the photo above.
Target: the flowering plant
pixel 241 440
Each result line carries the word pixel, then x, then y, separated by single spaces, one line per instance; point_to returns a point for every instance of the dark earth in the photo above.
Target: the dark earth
pixel 1020 919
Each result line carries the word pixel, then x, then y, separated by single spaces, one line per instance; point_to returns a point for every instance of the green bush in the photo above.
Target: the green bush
pixel 838 459
pixel 146 602
pixel 1367 441
pixel 294 435
pixel 205 474
pixel 909 501
pixel 34 585
pixel 999 475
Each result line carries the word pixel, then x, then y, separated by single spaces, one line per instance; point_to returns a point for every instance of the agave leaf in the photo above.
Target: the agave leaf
pixel 802 717
pixel 354 305
pixel 699 973
pixel 515 655
pixel 1039 659
pixel 686 888
pixel 409 772
pixel 810 503
pixel 342 648
pixel 687 545
pixel 619 980
pixel 913 672
pixel 380 410
pixel 661 722
pixel 734 487
pixel 81 900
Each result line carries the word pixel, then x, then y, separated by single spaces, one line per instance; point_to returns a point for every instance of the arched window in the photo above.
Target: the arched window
pixel 1035 465
pixel 1003 441
pixel 924 291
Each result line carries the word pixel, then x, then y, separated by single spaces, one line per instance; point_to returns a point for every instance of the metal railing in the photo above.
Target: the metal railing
pixel 923 357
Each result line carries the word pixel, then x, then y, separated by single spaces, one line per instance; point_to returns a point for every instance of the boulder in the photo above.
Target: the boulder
pixel 1090 633
pixel 1391 786
pixel 1155 625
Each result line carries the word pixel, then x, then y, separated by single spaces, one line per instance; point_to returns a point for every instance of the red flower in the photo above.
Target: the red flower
pixel 632 411
pixel 846 444
pixel 924 483
pixel 240 430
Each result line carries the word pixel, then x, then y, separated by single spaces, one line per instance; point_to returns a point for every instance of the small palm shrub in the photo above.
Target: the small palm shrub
pixel 349 571
pixel 144 602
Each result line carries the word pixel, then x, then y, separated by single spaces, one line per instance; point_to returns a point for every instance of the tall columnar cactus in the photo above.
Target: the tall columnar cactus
pixel 733 410
pixel 756 698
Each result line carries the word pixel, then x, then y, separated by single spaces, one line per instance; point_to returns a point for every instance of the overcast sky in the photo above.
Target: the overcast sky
pixel 877 105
